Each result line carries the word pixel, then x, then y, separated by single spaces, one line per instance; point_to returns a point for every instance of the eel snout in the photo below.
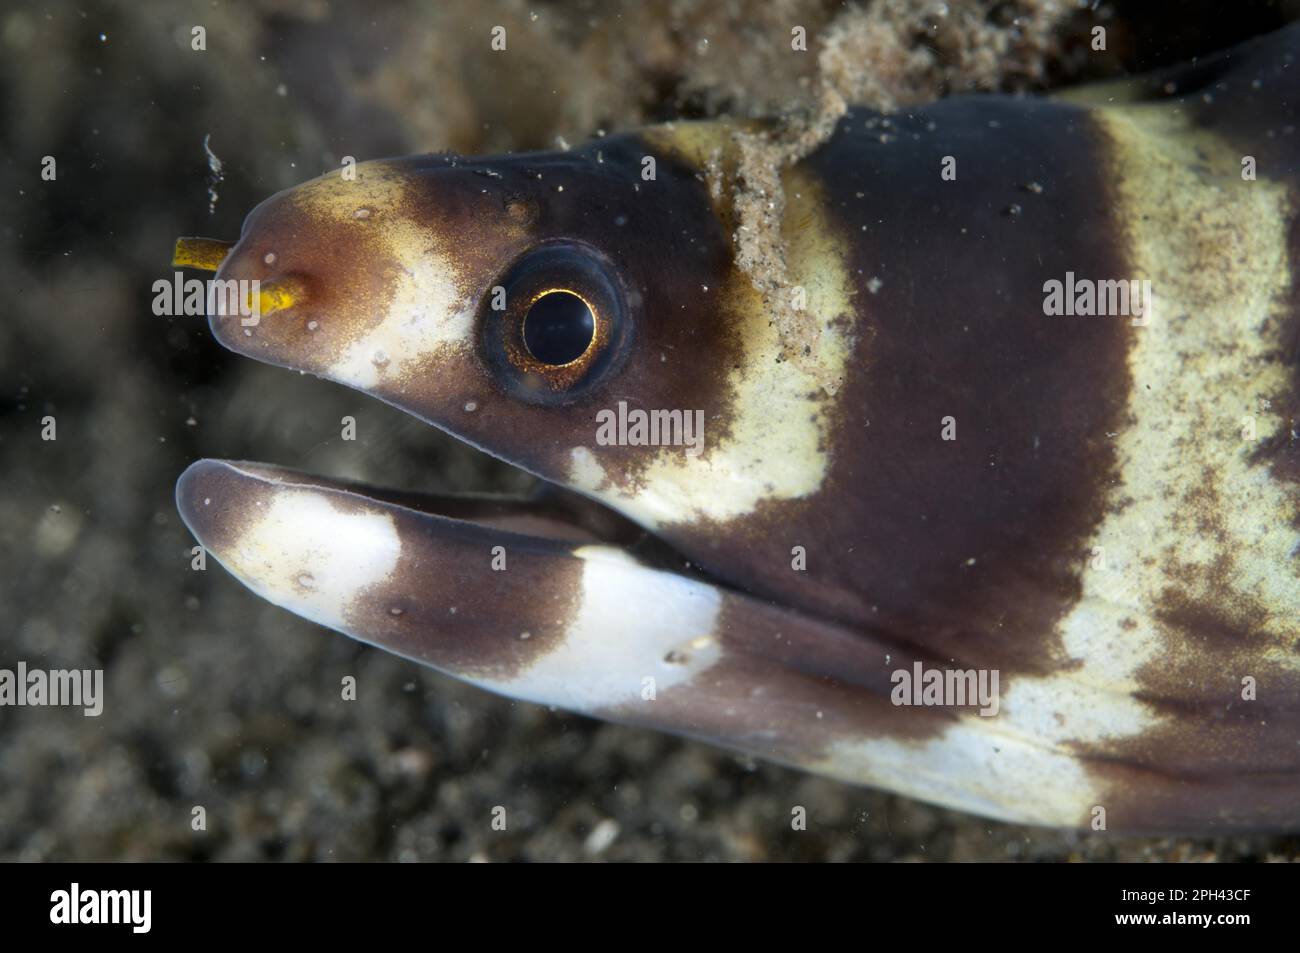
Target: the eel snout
pixel 275 297
pixel 366 281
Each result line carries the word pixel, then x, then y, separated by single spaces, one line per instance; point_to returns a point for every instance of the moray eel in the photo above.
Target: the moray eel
pixel 1098 510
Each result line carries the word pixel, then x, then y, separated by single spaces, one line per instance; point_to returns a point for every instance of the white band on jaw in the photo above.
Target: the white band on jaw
pixel 633 623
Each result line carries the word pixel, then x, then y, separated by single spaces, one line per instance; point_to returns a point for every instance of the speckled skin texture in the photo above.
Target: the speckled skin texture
pixel 217 699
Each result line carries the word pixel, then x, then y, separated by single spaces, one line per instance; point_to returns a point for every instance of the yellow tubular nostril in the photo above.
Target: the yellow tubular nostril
pixel 276 295
pixel 204 253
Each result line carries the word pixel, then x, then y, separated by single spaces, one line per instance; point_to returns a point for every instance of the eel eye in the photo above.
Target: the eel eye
pixel 559 327
pixel 555 324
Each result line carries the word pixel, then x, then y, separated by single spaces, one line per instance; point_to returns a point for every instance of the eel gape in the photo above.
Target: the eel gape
pixel 985 491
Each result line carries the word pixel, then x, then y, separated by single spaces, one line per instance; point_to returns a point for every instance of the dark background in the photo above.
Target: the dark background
pixel 215 698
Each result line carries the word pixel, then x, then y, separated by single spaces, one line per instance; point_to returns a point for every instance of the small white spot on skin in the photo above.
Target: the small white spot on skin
pixel 584 469
pixel 269 258
pixel 470 406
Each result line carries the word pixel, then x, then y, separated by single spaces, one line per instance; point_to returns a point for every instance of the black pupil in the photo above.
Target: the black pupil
pixel 558 328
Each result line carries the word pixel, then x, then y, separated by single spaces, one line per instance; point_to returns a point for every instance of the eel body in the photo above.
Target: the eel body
pixel 1091 510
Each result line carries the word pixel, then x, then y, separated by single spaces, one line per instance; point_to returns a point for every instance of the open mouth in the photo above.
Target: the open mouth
pixel 218 498
pixel 551 598
pixel 526 597
pixel 306 541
